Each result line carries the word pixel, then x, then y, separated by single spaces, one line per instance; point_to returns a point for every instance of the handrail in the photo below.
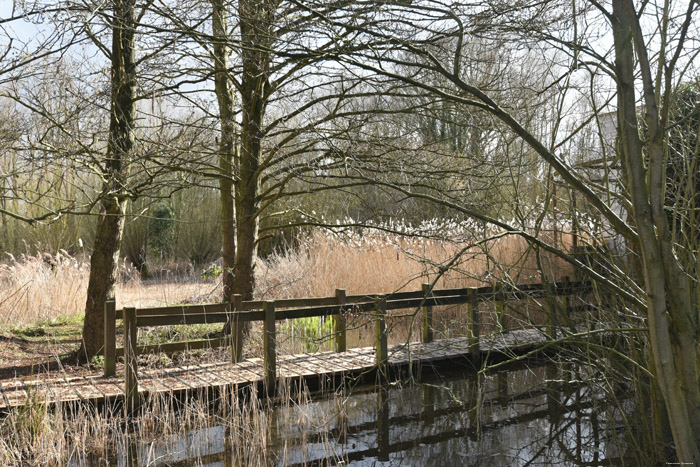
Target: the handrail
pixel 338 306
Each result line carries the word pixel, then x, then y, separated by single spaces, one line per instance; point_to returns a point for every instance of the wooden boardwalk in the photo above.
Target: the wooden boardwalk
pixel 52 389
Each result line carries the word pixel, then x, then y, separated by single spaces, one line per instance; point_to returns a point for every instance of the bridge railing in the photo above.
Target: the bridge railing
pixel 238 311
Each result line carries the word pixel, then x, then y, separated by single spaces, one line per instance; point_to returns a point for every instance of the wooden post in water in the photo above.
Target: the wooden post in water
pixel 473 312
pixel 380 332
pixel 427 312
pixel 131 385
pixel 236 329
pixel 340 324
pixel 110 347
pixel 270 356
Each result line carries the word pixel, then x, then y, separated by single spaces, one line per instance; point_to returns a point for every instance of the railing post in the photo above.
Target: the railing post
pixel 270 356
pixel 340 324
pixel 131 385
pixel 110 345
pixel 473 312
pixel 427 312
pixel 500 300
pixel 236 329
pixel 380 331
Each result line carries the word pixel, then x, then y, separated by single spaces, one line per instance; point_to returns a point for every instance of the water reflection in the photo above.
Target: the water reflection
pixel 534 415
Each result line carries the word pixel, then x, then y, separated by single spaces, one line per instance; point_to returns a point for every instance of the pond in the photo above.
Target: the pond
pixel 534 414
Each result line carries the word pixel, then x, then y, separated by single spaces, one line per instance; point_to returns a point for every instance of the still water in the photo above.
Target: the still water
pixel 535 414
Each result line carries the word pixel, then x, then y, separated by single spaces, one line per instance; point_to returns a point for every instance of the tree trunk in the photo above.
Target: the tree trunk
pixel 105 256
pixel 247 205
pixel 226 101
pixel 104 263
pixel 670 310
pixel 255 24
pixel 227 148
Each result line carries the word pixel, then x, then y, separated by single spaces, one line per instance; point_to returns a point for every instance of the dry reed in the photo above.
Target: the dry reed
pixel 44 287
pixel 41 287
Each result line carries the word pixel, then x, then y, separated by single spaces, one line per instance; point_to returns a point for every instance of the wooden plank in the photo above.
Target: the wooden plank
pixel 180 310
pixel 256 365
pixel 244 374
pixel 75 389
pixel 228 374
pixel 181 379
pixel 342 363
pixel 89 391
pixel 16 390
pixel 309 366
pixel 291 302
pixel 91 383
pixel 326 363
pixel 361 361
pixel 115 389
pixel 107 388
pixel 154 385
pixel 175 320
pixel 214 373
pixel 288 367
pixel 203 375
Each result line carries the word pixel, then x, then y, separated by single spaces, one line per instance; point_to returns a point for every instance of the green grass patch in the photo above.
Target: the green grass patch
pixel 62 328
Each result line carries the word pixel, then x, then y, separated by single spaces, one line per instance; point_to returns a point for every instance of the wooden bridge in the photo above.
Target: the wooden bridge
pixel 136 386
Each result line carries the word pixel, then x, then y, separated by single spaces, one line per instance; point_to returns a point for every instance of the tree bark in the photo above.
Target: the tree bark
pixel 105 256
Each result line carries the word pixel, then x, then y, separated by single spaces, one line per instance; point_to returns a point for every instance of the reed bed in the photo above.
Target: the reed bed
pixel 370 261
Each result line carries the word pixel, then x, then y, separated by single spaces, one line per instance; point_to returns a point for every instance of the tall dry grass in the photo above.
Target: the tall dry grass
pixel 377 262
pixel 43 287
pixel 370 261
